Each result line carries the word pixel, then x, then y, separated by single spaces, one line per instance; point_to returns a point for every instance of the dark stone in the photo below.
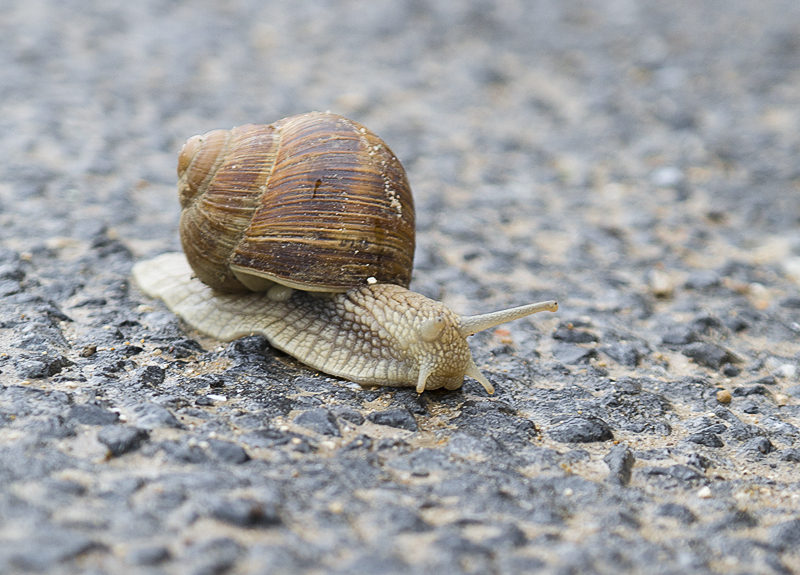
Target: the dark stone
pixel 152 416
pixel 122 439
pixel 510 537
pixel 576 455
pixel 92 302
pixel 459 546
pixel 308 402
pixel 214 557
pixel 681 335
pixel 698 461
pixel 302 445
pixel 792 455
pixel 750 408
pixel 730 370
pixel 753 390
pixel 571 335
pixel 622 518
pixel 785 536
pixel 227 451
pixel 706 438
pixel 350 415
pixel 130 350
pixel 400 418
pixel 497 421
pixel 65 487
pixel 739 519
pixel 502 349
pixel 212 380
pixel 624 353
pixel 182 348
pixel 274 404
pixel 743 431
pixel 42 367
pixel 395 519
pixel 12 271
pixel 250 348
pixel 267 437
pixel 183 453
pixel 704 423
pixel 45 339
pixel 360 442
pixel 675 471
pixel 411 400
pixel 520 564
pixel 758 445
pixel 703 279
pixel 580 429
pixel 776 426
pixel 707 354
pixel 393 443
pixel 726 414
pixel 620 461
pixel 150 374
pixel 374 563
pixel 90 414
pixel 204 401
pixel 676 511
pixel 320 421
pixel 737 323
pixel 49 427
pixel 246 513
pixel 9 287
pixel 16 463
pixel 47 547
pixel 572 354
pixel 422 462
pixel 315 384
pixel 628 386
pixel 148 555
pixel 705 322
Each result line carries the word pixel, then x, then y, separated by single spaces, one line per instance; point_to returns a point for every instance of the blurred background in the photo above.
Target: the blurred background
pixel 535 133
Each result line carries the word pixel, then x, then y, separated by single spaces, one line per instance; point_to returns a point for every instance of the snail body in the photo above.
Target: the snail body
pixel 303 231
pixel 379 334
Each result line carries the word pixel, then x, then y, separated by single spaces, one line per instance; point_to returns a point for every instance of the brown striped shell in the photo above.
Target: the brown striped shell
pixel 314 202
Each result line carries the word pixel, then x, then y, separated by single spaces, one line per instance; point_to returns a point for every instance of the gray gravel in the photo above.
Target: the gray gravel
pixel 636 161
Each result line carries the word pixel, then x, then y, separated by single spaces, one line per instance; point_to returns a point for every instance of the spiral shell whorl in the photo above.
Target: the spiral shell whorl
pixel 314 201
pixel 219 192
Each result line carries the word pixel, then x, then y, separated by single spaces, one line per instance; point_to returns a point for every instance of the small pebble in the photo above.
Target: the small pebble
pixel 88 351
pixel 724 396
pixel 705 492
pixel 661 285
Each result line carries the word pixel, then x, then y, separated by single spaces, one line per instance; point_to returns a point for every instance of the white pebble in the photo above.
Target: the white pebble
pixel 705 492
pixel 666 177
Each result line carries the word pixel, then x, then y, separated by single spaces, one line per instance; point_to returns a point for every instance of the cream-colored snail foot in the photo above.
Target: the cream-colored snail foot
pixel 381 334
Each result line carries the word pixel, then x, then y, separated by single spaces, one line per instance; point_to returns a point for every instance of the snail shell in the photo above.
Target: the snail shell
pixel 314 202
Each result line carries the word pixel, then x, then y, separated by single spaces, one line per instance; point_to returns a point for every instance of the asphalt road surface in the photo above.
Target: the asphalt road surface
pixel 636 161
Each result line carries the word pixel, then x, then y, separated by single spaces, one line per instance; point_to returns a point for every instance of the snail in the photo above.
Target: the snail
pixel 303 231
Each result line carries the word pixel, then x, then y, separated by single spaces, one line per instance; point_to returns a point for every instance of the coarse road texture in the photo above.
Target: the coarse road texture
pixel 638 161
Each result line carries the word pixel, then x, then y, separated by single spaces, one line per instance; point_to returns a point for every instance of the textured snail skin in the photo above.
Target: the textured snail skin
pixel 381 334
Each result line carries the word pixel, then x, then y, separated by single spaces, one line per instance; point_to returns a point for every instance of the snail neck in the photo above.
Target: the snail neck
pixel 468 325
